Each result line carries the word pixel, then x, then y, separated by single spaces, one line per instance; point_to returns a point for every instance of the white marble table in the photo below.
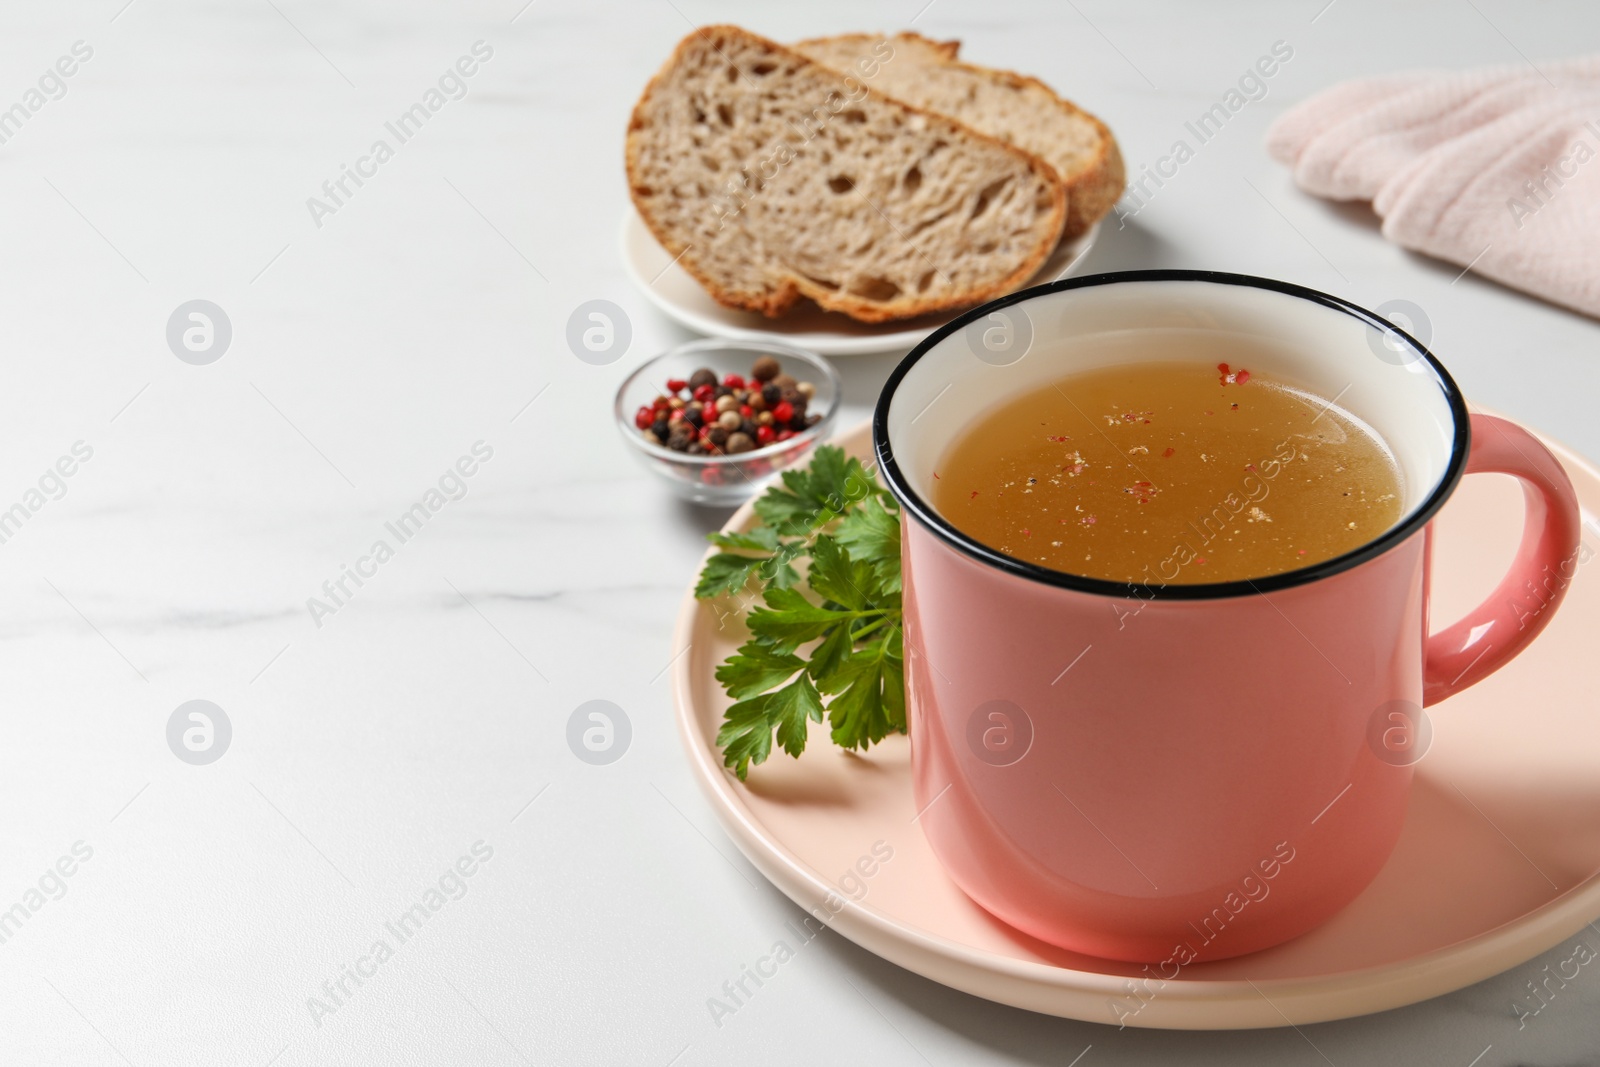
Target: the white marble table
pixel 420 722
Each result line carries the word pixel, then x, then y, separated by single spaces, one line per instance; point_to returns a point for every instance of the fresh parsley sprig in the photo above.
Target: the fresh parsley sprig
pixel 846 646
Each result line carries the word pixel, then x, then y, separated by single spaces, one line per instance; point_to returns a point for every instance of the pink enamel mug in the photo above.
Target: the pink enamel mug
pixel 1166 773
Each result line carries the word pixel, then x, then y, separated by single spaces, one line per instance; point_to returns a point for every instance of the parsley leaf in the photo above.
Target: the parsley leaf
pixel 830 653
pixel 760 539
pixel 777 570
pixel 728 573
pixel 833 514
pixel 869 695
pixel 789 620
pixel 812 497
pixel 838 577
pixel 755 668
pixel 725 574
pixel 748 726
pixel 872 534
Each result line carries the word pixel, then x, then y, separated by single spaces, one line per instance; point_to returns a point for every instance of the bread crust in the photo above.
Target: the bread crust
pixel 787 286
pixel 1093 191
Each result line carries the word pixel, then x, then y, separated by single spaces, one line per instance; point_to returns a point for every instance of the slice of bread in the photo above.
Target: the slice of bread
pixel 1016 109
pixel 772 177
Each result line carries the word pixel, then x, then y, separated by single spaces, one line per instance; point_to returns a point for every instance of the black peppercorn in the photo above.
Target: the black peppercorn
pixel 771 394
pixel 703 376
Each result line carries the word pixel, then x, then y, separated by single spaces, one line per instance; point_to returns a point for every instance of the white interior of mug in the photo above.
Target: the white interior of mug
pixel 1378 378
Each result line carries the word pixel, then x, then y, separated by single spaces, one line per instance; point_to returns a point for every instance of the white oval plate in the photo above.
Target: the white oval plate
pixel 1499 859
pixel 674 290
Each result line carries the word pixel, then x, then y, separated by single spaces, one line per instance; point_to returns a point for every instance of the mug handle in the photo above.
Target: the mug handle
pixel 1492 634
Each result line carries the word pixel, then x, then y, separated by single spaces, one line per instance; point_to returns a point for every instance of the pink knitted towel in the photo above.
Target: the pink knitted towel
pixel 1494 169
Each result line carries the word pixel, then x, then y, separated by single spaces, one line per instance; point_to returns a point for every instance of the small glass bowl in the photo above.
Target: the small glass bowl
pixel 726 479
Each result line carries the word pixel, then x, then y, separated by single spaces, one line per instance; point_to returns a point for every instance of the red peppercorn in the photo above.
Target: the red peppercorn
pixel 783 412
pixel 784 435
pixel 703 393
pixel 744 409
pixel 644 418
pixel 733 381
pixel 765 435
pixel 675 385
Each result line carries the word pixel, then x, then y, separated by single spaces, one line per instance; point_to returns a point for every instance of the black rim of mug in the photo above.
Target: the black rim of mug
pixel 897 483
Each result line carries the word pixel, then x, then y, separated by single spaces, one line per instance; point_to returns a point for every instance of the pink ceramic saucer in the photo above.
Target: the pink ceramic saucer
pixel 1499 859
